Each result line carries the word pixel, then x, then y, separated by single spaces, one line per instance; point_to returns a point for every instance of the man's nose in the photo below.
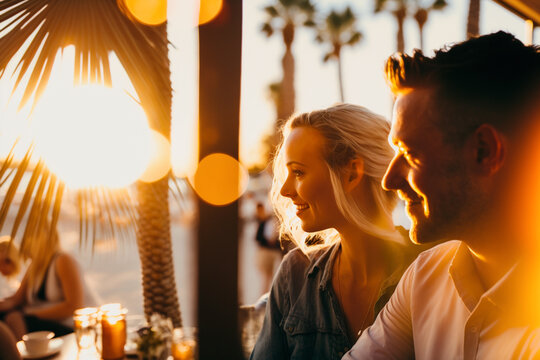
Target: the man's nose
pixel 395 174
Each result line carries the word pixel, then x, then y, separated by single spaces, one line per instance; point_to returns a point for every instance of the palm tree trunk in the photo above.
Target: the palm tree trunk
pixel 155 251
pixel 473 19
pixel 340 78
pixel 287 93
pixel 153 223
pixel 421 32
pixel 400 18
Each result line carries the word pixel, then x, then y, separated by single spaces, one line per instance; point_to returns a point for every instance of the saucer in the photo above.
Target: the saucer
pixel 55 345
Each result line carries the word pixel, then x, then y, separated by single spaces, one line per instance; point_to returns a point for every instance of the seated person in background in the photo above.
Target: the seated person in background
pixel 8 344
pixel 10 266
pixel 465 133
pixel 327 185
pixel 51 290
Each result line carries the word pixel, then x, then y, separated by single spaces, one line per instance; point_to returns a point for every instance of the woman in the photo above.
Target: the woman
pixel 51 290
pixel 326 186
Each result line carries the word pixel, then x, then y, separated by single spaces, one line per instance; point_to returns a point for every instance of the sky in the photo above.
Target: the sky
pixel 316 82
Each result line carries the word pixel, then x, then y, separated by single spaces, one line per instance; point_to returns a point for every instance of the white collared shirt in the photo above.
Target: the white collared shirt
pixel 440 311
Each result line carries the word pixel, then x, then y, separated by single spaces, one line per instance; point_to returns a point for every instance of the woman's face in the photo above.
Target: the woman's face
pixel 7 267
pixel 308 182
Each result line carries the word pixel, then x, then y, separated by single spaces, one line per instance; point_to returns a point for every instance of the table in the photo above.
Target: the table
pixel 69 351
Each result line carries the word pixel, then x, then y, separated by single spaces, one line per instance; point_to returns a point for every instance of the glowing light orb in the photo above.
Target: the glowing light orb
pixel 208 10
pixel 149 12
pixel 220 179
pixel 92 136
pixel 160 158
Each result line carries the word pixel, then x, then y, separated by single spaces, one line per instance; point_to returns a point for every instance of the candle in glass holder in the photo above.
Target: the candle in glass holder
pixel 85 321
pixel 184 344
pixel 113 331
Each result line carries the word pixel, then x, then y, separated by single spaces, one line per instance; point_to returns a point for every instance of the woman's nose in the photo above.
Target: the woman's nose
pixel 286 190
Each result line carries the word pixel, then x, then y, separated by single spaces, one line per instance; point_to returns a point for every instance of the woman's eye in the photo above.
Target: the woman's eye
pixel 297 173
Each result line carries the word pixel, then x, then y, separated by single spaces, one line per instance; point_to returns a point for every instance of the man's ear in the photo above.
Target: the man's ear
pixel 489 146
pixel 353 173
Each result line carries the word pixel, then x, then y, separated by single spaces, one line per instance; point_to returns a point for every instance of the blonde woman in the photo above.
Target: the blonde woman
pixel 10 266
pixel 327 186
pixel 51 289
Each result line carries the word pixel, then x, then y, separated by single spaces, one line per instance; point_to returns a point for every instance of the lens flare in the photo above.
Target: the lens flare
pixel 220 179
pixel 149 12
pixel 92 136
pixel 160 158
pixel 208 10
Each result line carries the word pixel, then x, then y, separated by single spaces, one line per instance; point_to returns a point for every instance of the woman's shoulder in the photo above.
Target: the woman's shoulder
pixel 65 262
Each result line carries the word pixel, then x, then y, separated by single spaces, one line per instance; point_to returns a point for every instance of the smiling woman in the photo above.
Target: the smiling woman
pixel 92 136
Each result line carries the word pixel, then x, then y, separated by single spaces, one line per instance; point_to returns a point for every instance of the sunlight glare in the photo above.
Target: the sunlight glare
pixel 220 179
pixel 149 12
pixel 160 158
pixel 92 136
pixel 208 10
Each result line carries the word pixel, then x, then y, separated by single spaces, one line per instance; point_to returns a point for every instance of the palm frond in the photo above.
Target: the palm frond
pixel 37 30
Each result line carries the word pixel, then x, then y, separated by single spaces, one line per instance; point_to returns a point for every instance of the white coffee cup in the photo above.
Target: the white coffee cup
pixel 37 342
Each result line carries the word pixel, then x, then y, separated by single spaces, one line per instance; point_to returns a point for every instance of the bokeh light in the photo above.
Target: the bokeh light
pixel 92 136
pixel 160 158
pixel 220 179
pixel 208 10
pixel 149 12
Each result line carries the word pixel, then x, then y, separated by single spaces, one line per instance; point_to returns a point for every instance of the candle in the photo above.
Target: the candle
pixel 85 321
pixel 113 331
pixel 184 350
pixel 184 344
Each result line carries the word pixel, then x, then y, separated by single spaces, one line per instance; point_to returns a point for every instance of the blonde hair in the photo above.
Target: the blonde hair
pixel 40 248
pixel 350 131
pixel 8 247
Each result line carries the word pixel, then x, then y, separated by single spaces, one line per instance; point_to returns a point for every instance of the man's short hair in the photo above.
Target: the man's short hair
pixel 491 79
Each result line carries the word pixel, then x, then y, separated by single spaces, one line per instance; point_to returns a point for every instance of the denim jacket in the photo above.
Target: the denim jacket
pixel 303 318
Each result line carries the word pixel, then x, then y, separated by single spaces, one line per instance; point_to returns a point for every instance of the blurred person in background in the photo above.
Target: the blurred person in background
pixel 51 290
pixel 269 252
pixel 10 266
pixel 327 186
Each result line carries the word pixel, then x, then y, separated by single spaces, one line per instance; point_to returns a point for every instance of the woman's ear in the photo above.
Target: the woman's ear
pixel 353 173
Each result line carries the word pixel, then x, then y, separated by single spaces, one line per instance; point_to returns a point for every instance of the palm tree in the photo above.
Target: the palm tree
pixel 421 16
pixel 473 19
pixel 285 16
pixel 95 28
pixel 339 29
pixel 398 9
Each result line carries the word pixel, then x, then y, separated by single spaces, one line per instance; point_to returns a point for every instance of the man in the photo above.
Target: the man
pixel 464 134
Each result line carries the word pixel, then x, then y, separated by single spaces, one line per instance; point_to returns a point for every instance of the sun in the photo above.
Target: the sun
pixel 92 135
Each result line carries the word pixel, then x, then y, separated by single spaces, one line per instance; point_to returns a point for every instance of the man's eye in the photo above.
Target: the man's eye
pixel 410 158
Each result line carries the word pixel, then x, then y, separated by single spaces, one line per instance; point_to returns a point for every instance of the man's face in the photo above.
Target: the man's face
pixel 427 173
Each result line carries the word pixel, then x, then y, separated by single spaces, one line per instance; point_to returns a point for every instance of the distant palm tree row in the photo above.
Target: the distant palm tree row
pixel 338 29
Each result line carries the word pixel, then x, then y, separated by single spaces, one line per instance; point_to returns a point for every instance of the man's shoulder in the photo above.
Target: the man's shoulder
pixel 438 255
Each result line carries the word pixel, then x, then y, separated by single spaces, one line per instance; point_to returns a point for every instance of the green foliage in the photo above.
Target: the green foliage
pixel 338 29
pixel 282 12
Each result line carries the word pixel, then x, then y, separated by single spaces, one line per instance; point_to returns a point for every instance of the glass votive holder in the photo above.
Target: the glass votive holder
pixel 184 344
pixel 113 331
pixel 85 322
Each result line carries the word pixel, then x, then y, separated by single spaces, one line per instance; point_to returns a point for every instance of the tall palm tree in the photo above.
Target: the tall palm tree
pixel 95 28
pixel 398 9
pixel 339 30
pixel 421 15
pixel 285 16
pixel 473 19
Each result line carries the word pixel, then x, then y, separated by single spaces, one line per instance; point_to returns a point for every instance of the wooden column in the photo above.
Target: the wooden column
pixel 219 112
